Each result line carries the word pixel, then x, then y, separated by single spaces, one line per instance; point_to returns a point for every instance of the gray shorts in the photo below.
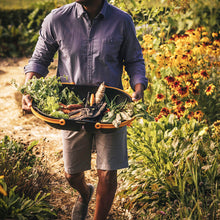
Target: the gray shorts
pixel 111 149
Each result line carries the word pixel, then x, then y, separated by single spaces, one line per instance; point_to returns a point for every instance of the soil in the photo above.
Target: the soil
pixel 28 128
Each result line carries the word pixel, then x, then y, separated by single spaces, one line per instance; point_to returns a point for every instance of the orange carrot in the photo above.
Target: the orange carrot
pixel 92 99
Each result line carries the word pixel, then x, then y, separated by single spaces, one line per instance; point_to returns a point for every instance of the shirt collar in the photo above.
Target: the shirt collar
pixel 81 11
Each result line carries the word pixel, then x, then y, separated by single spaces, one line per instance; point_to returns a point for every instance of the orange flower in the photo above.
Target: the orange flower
pixel 195 91
pixel 181 109
pixel 204 74
pixel 160 97
pixel 191 83
pixel 176 84
pixel 169 79
pixel 214 35
pixel 190 103
pixel 183 91
pixel 195 75
pixel 173 98
pixel 190 115
pixel 164 111
pixel 198 115
pixel 210 89
pixel 178 102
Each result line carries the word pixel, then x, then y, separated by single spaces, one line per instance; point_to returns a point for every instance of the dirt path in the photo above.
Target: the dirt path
pixel 29 128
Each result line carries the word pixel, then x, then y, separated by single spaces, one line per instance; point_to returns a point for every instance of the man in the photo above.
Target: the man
pixel 94 40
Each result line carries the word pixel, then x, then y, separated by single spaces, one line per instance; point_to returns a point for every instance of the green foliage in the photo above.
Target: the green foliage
pixel 25 180
pixel 22 168
pixel 174 170
pixel 47 93
pixel 19 29
pixel 23 208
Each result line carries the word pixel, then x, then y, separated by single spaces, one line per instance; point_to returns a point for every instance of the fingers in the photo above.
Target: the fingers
pixel 137 96
pixel 26 103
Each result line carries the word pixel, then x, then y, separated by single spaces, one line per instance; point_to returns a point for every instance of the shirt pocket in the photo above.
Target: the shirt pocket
pixel 111 49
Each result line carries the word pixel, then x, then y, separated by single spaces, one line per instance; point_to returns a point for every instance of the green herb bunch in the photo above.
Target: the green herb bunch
pixel 47 93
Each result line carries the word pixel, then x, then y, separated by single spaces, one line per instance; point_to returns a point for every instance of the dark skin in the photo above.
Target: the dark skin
pixel 107 180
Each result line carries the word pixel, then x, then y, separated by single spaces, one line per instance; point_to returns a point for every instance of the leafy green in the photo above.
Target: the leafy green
pixel 47 93
pixel 124 111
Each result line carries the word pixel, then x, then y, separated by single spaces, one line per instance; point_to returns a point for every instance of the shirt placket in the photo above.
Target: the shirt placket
pixel 90 66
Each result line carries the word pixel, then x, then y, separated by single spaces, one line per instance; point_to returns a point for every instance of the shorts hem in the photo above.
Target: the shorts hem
pixel 113 168
pixel 71 171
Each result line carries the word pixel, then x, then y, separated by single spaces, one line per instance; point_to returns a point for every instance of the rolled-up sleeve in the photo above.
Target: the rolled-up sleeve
pixel 132 55
pixel 45 49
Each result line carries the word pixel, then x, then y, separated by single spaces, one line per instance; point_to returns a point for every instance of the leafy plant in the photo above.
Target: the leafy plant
pixel 22 168
pixel 173 170
pixel 14 206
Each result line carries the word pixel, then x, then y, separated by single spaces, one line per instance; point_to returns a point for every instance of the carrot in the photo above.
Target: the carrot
pixel 92 99
pixel 74 106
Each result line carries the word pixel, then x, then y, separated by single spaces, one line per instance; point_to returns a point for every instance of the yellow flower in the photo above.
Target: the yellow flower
pixel 205 33
pixel 205 40
pixel 198 115
pixel 214 35
pixel 210 89
pixel 161 34
pixel 160 97
pixel 190 103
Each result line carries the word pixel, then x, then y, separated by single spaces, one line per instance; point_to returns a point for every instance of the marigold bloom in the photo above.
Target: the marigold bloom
pixel 183 91
pixel 160 97
pixel 210 89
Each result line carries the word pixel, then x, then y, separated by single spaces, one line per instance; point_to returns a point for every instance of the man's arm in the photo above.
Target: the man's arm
pixel 133 61
pixel 26 99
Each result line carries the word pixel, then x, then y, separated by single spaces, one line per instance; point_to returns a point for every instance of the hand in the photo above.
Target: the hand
pixel 26 103
pixel 139 92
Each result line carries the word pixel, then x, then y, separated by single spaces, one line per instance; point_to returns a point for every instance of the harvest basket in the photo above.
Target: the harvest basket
pixel 81 91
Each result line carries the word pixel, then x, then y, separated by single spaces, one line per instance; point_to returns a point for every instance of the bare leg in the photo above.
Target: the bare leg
pixel 77 181
pixel 105 193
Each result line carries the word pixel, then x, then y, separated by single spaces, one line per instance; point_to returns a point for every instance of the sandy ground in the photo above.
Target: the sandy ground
pixel 29 128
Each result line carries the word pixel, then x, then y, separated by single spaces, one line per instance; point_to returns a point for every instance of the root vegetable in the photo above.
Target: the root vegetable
pixel 100 93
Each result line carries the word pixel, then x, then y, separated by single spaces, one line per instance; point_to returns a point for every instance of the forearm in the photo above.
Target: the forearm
pixel 30 75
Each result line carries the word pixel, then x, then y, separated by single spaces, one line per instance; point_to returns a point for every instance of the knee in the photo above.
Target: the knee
pixel 108 178
pixel 74 179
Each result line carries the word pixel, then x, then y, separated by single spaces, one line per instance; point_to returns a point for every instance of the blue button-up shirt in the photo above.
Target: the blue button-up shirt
pixel 89 51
